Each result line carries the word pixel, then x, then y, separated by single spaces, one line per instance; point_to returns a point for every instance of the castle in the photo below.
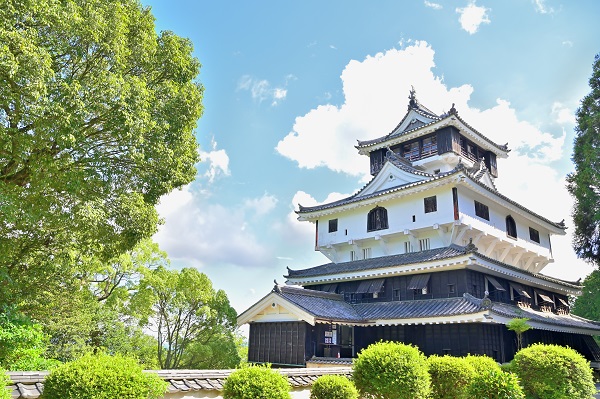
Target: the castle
pixel 428 252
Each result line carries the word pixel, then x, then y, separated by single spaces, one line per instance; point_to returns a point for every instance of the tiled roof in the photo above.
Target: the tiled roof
pixel 380 262
pixel 458 169
pixel 417 309
pixel 320 304
pixel 29 384
pixel 561 320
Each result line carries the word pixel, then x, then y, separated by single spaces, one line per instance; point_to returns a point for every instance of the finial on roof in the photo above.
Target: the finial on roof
pixel 453 110
pixel 276 287
pixel 470 247
pixel 413 102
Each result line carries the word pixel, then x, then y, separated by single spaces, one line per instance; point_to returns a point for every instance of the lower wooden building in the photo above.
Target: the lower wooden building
pixel 445 301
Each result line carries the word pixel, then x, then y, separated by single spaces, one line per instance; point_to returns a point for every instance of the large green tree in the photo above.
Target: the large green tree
pixel 584 183
pixel 190 318
pixel 97 113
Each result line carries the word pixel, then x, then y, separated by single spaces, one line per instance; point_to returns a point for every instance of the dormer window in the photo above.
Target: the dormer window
pixel 377 219
pixel 333 225
pixel 534 235
pixel 482 210
pixel 511 227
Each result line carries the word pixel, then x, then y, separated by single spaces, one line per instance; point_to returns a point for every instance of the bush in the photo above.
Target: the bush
pixel 482 363
pixel 495 384
pixel 333 387
pixel 391 370
pixel 256 382
pixel 554 372
pixel 102 377
pixel 4 381
pixel 450 377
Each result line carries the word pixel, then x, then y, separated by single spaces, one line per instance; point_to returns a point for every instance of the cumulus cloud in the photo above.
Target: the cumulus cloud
pixel 217 162
pixel 472 16
pixel 375 92
pixel 435 6
pixel 199 233
pixel 261 90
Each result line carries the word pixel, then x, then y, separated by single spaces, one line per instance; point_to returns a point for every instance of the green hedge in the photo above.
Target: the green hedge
pixel 495 384
pixel 554 372
pixel 4 381
pixel 102 377
pixel 450 377
pixel 482 363
pixel 256 382
pixel 391 370
pixel 333 387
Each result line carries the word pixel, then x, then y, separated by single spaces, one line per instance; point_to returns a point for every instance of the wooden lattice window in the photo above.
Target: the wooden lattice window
pixel 482 210
pixel 377 219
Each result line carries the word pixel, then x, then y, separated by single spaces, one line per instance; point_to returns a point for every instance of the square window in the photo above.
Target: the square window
pixel 482 210
pixel 534 235
pixel 333 225
pixel 424 244
pixel 366 253
pixel 430 204
pixel 451 289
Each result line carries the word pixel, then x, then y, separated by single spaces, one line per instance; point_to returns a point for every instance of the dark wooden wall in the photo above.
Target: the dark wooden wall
pixel 280 343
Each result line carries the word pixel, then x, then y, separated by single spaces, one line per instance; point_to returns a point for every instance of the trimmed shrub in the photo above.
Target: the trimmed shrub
pixel 102 377
pixel 391 370
pixel 4 381
pixel 333 387
pixel 554 372
pixel 256 382
pixel 450 377
pixel 495 384
pixel 482 363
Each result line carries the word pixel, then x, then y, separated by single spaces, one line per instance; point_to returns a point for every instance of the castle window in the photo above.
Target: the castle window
pixel 333 225
pixel 411 151
pixel 482 210
pixel 429 146
pixel 424 244
pixel 377 219
pixel 353 255
pixel 430 204
pixel 511 227
pixel 366 253
pixel 534 235
pixel 407 247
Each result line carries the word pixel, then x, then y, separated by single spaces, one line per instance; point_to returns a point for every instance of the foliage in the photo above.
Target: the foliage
pixel 187 311
pixel 22 344
pixel 519 326
pixel 97 113
pixel 4 381
pixel 387 370
pixel 333 387
pixel 256 382
pixel 588 303
pixel 450 377
pixel 482 363
pixel 100 377
pixel 495 384
pixel 553 372
pixel 584 183
pixel 220 352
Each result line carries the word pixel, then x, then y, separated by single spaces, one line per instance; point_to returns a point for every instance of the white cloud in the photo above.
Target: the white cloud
pixel 567 43
pixel 541 7
pixel 472 16
pixel 201 234
pixel 376 91
pixel 563 115
pixel 217 162
pixel 261 206
pixel 261 90
pixel 435 6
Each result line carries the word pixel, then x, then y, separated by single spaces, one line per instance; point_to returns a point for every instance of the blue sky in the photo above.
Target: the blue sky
pixel 291 86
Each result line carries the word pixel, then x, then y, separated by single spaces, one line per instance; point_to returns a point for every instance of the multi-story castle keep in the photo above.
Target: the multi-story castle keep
pixel 428 253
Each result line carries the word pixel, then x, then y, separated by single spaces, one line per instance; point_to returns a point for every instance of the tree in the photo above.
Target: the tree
pixel 584 183
pixel 97 113
pixel 588 303
pixel 519 326
pixel 186 312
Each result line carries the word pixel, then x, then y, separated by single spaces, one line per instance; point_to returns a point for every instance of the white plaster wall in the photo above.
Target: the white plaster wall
pixel 352 226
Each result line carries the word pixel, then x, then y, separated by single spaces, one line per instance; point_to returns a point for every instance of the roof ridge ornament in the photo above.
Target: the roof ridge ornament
pixel 413 103
pixel 453 110
pixel 470 247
